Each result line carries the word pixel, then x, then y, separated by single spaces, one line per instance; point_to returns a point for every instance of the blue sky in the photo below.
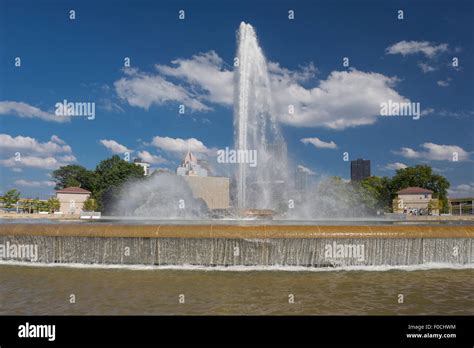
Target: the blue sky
pixel 190 62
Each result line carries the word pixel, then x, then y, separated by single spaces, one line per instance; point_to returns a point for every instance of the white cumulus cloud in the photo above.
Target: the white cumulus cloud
pixel 429 49
pixel 29 183
pixel 205 71
pixel 37 162
pixel 319 143
pixel 462 190
pixel 114 146
pixel 435 152
pixel 143 90
pixel 23 151
pixel 57 140
pixel 443 83
pixel 152 159
pixel 426 68
pixel 395 166
pixel 179 145
pixel 344 99
pixel 24 144
pixel 28 111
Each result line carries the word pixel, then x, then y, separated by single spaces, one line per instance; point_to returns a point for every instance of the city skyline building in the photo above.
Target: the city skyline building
pixel 144 165
pixel 360 169
pixel 301 179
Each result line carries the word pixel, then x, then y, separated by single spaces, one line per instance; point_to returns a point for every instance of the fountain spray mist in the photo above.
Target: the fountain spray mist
pixel 161 196
pixel 256 127
pixel 264 184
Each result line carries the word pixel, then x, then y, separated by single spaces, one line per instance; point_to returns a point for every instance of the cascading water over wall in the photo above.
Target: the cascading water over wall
pixel 208 252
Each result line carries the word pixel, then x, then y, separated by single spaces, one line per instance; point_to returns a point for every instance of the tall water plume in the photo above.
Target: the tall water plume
pixel 256 127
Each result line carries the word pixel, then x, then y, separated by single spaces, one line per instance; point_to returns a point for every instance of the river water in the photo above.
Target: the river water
pixel 47 290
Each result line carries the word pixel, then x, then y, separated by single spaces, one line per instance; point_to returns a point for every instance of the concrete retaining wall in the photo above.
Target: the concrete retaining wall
pixel 239 231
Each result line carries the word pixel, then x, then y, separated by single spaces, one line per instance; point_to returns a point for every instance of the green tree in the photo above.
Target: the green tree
pixel 110 174
pixel 53 204
pixel 25 205
pixel 42 206
pixel 344 198
pixel 34 205
pixel 422 176
pixel 90 204
pixel 434 204
pixel 74 175
pixel 10 198
pixel 31 205
pixel 380 190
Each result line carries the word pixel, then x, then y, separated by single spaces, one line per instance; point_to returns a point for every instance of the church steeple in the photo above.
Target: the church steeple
pixel 190 166
pixel 189 158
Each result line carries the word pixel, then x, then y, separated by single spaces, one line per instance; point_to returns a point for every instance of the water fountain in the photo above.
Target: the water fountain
pixel 256 127
pixel 213 243
pixel 260 186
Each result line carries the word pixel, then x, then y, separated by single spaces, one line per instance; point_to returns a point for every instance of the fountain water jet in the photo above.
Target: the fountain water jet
pixel 262 187
pixel 256 127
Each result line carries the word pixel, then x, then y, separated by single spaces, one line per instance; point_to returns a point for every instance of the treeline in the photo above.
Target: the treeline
pixel 28 205
pixel 383 189
pixel 104 182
